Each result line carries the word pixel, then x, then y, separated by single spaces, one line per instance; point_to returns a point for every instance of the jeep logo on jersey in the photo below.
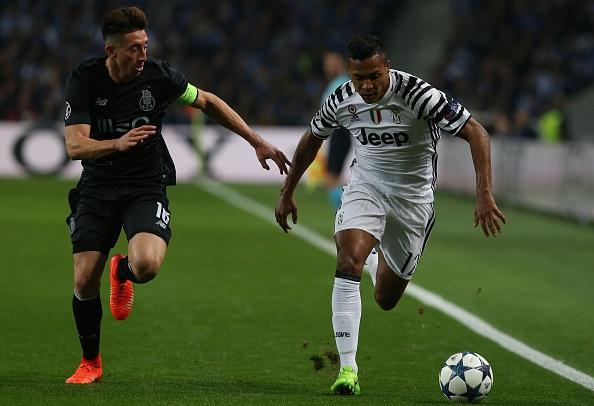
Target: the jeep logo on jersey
pixel 375 139
pixel 147 101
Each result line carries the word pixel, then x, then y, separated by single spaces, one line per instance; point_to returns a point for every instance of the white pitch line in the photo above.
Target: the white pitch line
pixel 423 295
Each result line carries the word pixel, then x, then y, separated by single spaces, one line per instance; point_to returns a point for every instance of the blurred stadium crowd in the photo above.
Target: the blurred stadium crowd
pixel 520 60
pixel 262 57
pixel 517 60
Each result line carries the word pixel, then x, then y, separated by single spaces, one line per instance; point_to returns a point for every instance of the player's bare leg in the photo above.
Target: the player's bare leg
pixel 389 287
pixel 146 252
pixel 86 306
pixel 353 246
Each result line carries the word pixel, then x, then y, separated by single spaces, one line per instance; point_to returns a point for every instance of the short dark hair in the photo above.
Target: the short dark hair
pixel 364 46
pixel 122 21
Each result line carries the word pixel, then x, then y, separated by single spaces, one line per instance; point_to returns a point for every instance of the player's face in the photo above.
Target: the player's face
pixel 131 53
pixel 370 77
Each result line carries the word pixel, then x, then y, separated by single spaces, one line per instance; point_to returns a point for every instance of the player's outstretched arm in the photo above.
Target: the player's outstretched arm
pixel 79 144
pixel 216 108
pixel 307 149
pixel 486 212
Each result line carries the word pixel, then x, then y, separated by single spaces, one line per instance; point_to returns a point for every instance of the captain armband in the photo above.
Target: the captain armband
pixel 189 95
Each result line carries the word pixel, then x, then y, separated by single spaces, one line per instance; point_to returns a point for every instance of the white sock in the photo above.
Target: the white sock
pixel 371 265
pixel 346 314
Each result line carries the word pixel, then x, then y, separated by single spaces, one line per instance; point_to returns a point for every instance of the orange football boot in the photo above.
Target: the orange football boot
pixel 121 293
pixel 88 371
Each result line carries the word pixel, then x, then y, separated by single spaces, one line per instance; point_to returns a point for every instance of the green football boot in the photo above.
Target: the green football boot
pixel 347 382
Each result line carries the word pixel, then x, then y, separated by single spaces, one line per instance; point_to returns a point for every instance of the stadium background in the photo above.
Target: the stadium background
pixel 525 69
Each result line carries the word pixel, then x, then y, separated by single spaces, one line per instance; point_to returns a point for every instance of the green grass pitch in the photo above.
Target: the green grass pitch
pixel 240 312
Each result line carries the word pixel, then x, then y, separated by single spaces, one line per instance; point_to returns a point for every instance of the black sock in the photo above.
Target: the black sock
pixel 124 271
pixel 87 315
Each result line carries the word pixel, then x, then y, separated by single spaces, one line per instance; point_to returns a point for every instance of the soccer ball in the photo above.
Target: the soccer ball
pixel 466 377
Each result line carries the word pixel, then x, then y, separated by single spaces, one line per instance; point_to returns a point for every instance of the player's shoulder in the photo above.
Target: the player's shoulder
pixel 401 79
pixel 89 68
pixel 343 93
pixel 158 66
pixel 403 84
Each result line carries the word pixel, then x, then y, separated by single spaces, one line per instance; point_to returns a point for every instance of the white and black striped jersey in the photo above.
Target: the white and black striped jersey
pixel 395 137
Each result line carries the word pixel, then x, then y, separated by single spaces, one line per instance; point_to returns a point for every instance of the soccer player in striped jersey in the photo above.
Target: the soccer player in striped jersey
pixel 396 120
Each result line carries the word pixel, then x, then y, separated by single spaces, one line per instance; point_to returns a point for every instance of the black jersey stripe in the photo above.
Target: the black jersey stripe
pixel 434 130
pixel 411 82
pixel 421 93
pixel 319 130
pixel 437 106
pixel 324 122
pixel 348 89
pixel 338 93
pixel 413 91
pixel 400 78
pixel 328 106
pixel 423 105
pixel 332 101
pixel 328 111
pixel 325 116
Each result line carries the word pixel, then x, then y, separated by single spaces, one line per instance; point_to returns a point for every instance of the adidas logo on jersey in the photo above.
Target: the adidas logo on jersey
pixel 375 139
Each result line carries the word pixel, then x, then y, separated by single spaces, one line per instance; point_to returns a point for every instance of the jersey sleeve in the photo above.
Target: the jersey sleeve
pixel 324 121
pixel 177 81
pixel 77 101
pixel 428 103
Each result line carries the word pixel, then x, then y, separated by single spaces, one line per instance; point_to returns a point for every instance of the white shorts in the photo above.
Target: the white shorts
pixel 400 226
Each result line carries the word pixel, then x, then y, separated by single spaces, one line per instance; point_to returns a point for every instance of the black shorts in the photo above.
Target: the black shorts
pixel 97 218
pixel 340 144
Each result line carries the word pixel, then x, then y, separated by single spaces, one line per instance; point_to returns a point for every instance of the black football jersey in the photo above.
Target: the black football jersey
pixel 112 109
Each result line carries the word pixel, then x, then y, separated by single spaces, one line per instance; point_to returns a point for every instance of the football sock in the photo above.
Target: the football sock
pixel 371 265
pixel 87 315
pixel 346 315
pixel 125 272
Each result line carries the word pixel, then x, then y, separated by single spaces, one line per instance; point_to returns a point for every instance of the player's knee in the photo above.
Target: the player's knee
pixel 349 265
pixel 145 268
pixel 86 285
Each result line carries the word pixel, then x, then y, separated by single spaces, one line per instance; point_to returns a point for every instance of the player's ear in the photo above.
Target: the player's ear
pixel 387 63
pixel 109 50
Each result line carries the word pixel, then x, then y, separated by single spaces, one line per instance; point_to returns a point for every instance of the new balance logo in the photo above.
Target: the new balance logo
pixel 161 224
pixel 341 334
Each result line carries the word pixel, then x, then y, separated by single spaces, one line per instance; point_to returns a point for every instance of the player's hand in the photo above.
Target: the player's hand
pixel 134 137
pixel 266 150
pixel 488 215
pixel 284 207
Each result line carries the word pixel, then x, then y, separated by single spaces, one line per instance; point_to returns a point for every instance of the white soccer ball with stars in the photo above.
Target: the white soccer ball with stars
pixel 466 377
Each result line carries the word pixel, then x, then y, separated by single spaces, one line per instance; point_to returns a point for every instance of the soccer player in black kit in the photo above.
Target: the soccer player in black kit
pixel 115 105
